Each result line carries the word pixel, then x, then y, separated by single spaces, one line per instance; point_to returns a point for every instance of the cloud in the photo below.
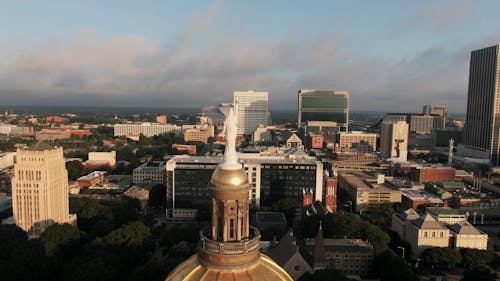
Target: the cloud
pixel 203 65
pixel 438 15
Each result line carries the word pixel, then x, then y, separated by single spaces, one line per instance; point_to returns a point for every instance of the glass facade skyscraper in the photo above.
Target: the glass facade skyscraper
pixel 324 106
pixel 483 104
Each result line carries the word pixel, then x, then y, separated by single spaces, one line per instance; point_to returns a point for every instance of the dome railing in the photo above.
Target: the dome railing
pixel 245 245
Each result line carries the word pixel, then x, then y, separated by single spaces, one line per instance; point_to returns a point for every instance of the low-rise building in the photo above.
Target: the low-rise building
pixel 416 197
pixel 146 129
pixel 433 174
pixel 91 179
pixel 200 134
pixel 288 255
pixel 350 256
pixel 52 134
pixel 315 141
pixel 364 189
pixel 100 159
pixel 190 149
pixel 356 139
pixel 7 160
pixel 161 119
pixel 294 141
pixel 421 232
pixel 437 229
pixel 153 172
pixel 81 132
pixel 328 129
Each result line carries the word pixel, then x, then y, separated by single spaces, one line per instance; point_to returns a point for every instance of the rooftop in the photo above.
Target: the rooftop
pixel 419 194
pixel 443 211
pixel 40 146
pixel 342 245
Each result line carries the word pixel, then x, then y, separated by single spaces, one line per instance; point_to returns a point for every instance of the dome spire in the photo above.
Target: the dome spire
pixel 230 158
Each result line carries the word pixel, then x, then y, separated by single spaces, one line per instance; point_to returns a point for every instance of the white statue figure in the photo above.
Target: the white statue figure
pixel 450 151
pixel 230 158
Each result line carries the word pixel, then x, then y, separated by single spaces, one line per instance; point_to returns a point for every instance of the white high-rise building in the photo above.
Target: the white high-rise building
pixel 251 110
pixel 394 141
pixel 40 189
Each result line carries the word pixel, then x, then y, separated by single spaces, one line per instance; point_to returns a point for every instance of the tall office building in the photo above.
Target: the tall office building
pixel 482 123
pixel 441 110
pixel 251 110
pixel 324 106
pixel 40 189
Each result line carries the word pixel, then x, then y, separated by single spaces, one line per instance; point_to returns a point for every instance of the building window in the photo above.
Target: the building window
pixel 433 234
pixel 441 234
pixel 425 234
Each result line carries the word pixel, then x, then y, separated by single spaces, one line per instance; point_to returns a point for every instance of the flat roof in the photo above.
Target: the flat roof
pixel 443 211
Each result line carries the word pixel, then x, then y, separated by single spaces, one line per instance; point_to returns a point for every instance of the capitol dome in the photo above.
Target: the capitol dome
pixel 265 269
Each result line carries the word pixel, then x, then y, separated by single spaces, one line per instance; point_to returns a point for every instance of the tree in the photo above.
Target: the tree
pixel 131 234
pixel 288 207
pixel 472 258
pixel 324 275
pixel 181 249
pixel 75 169
pixel 390 267
pixel 441 258
pixel 58 236
pixel 481 272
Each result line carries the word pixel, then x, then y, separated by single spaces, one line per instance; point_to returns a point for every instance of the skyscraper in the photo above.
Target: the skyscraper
pixel 482 123
pixel 40 189
pixel 251 110
pixel 441 110
pixel 230 248
pixel 324 106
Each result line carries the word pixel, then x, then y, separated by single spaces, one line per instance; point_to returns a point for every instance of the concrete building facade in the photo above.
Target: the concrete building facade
pixel 350 140
pixel 365 190
pixel 252 110
pixel 153 172
pixel 146 129
pixel 394 141
pixel 201 134
pixel 271 177
pixel 40 189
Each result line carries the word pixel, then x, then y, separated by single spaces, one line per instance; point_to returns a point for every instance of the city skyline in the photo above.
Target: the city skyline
pixel 389 55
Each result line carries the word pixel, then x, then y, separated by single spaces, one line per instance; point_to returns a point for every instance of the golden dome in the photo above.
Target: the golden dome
pixel 229 178
pixel 264 270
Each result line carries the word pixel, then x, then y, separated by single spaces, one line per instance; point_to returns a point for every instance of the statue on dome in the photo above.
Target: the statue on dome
pixel 230 157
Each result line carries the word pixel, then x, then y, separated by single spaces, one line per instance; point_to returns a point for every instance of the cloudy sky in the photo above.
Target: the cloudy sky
pixel 390 55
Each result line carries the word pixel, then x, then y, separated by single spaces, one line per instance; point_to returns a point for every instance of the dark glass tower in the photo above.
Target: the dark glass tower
pixel 324 106
pixel 483 104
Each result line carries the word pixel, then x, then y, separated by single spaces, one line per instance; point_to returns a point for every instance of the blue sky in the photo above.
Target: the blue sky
pixel 390 55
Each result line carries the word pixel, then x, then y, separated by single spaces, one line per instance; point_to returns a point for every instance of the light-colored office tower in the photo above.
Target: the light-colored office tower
pixel 324 106
pixel 394 141
pixel 482 123
pixel 251 110
pixel 441 110
pixel 40 189
pixel 147 129
pixel 423 124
